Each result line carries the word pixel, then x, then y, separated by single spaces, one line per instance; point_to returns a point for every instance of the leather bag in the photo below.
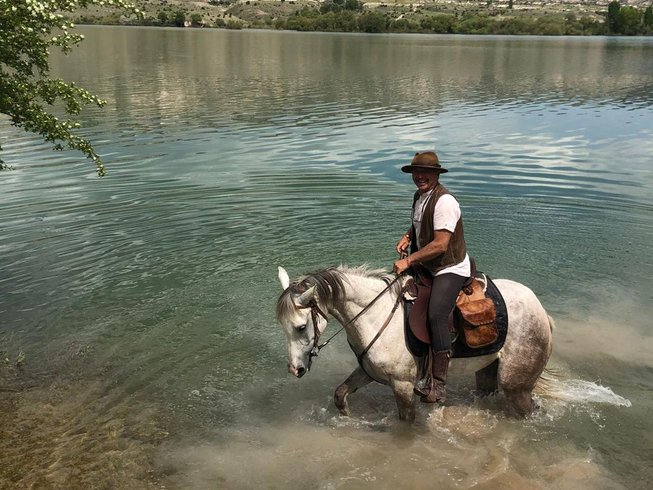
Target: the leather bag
pixel 477 316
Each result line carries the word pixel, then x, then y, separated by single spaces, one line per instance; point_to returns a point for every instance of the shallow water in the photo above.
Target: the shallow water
pixel 143 303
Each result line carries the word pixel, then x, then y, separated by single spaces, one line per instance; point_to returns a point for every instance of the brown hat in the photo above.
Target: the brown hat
pixel 424 160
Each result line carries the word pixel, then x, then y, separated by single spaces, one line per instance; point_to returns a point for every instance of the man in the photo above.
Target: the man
pixel 438 250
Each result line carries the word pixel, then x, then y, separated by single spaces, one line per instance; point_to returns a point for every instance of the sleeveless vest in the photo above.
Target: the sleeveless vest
pixel 457 248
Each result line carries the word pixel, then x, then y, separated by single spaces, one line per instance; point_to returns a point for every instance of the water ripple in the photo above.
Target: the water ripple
pixel 230 153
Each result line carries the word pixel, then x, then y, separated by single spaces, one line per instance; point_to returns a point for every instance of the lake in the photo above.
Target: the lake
pixel 137 311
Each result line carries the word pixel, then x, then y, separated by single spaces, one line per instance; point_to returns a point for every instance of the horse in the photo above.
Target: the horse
pixel 345 293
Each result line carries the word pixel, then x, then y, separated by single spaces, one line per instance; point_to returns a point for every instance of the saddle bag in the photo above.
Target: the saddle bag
pixel 477 316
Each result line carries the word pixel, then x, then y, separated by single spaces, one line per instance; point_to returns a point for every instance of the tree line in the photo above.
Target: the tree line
pixel 334 16
pixel 350 16
pixel 629 21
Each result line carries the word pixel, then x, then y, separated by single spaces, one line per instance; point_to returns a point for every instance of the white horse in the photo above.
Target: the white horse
pixel 344 292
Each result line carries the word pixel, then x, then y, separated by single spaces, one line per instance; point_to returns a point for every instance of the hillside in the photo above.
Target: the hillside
pixel 556 17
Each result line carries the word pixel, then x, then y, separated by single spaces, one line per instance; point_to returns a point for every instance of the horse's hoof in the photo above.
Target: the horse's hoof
pixel 342 406
pixel 439 401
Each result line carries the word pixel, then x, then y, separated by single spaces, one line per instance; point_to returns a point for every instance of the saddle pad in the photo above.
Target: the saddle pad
pixel 460 349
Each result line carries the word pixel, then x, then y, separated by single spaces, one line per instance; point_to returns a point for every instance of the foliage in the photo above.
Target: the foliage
pixel 372 22
pixel 466 22
pixel 477 24
pixel 349 16
pixel 629 21
pixel 403 25
pixel 179 18
pixel 28 30
pixel 648 17
pixel 613 16
pixel 234 24
pixel 196 19
pixel 340 5
pixel 440 23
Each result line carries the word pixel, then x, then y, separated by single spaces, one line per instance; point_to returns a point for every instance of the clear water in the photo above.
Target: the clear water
pixel 142 303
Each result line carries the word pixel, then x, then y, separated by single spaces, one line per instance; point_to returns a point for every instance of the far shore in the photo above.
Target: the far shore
pixel 489 18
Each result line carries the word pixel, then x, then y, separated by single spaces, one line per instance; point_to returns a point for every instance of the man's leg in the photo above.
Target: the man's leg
pixel 443 299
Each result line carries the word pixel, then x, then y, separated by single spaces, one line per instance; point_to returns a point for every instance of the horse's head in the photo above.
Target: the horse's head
pixel 302 319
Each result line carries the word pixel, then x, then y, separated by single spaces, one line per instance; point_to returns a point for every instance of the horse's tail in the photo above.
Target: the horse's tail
pixel 549 376
pixel 546 383
pixel 552 324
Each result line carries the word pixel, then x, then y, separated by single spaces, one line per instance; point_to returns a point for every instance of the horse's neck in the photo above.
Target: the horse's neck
pixel 359 292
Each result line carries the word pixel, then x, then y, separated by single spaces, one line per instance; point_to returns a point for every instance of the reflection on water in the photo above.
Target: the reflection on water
pixel 143 302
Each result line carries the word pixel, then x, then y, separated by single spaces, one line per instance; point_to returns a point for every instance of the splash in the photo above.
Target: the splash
pixel 583 392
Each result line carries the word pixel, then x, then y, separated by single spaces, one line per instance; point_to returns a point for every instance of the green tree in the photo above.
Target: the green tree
pixel 614 23
pixel 475 24
pixel 28 30
pixel 346 21
pixel 353 5
pixel 234 24
pixel 180 18
pixel 630 20
pixel 372 22
pixel 590 26
pixel 648 16
pixel 331 6
pixel 163 18
pixel 443 23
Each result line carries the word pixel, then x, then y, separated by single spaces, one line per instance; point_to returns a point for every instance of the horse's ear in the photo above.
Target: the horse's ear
pixel 283 277
pixel 306 296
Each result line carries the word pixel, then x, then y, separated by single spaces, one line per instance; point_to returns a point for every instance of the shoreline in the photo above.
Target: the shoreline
pixel 539 37
pixel 482 18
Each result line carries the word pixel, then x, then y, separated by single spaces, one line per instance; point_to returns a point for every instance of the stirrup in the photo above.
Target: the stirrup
pixel 437 393
pixel 423 386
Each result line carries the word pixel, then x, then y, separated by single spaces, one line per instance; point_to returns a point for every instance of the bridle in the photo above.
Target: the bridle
pixel 317 311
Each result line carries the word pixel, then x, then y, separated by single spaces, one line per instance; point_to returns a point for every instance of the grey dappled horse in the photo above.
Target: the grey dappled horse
pixel 343 292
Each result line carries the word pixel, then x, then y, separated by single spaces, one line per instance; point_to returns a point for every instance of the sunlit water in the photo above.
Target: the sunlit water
pixel 143 303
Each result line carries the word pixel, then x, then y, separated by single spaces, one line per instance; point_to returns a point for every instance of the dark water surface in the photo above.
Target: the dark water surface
pixel 143 302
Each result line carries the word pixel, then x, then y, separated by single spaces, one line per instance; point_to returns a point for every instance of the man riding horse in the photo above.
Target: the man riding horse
pixel 437 252
pixel 507 334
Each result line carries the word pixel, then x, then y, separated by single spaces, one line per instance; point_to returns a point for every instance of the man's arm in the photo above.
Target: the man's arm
pixel 404 242
pixel 432 249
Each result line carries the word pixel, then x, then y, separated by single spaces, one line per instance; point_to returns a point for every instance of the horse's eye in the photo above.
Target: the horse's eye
pixel 301 328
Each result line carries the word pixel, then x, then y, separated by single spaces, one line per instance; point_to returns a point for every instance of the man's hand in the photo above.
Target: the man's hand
pixel 402 245
pixel 400 265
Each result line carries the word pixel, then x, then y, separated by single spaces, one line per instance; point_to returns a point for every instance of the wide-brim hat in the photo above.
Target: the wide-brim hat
pixel 424 160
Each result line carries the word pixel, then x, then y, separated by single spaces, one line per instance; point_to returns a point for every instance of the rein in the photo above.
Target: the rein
pixel 316 310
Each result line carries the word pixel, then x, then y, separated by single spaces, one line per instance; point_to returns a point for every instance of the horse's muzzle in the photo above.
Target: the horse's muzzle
pixel 298 372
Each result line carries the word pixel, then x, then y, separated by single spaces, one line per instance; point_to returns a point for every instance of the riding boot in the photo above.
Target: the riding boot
pixel 423 384
pixel 439 368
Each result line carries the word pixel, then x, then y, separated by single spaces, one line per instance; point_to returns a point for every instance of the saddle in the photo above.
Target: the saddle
pixel 474 315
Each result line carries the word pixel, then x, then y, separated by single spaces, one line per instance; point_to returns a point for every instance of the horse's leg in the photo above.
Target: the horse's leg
pixel 487 381
pixel 527 348
pixel 403 391
pixel 520 367
pixel 357 379
pixel 520 403
pixel 517 380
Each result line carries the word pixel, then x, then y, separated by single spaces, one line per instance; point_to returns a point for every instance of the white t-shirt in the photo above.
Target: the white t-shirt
pixel 445 216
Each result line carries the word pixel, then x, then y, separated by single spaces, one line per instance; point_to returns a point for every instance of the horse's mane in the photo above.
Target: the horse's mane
pixel 329 286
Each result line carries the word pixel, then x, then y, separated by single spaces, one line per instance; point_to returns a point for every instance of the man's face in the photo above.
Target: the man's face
pixel 425 180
